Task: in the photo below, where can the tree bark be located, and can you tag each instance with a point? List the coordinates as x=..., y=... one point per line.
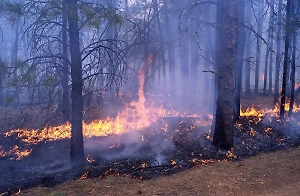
x=240, y=55
x=293, y=72
x=286, y=59
x=217, y=58
x=77, y=151
x=65, y=69
x=248, y=53
x=170, y=46
x=278, y=54
x=271, y=46
x=2, y=73
x=223, y=134
x=259, y=41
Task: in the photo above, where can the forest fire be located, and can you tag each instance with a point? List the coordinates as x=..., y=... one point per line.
x=164, y=58
x=136, y=115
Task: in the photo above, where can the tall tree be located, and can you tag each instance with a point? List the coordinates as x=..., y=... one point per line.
x=271, y=45
x=278, y=52
x=224, y=129
x=293, y=73
x=65, y=68
x=259, y=42
x=77, y=151
x=286, y=58
x=268, y=57
x=240, y=55
x=248, y=51
x=295, y=14
x=170, y=46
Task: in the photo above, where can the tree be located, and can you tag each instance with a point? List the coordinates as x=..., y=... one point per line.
x=65, y=67
x=240, y=55
x=170, y=46
x=77, y=152
x=49, y=25
x=223, y=134
x=248, y=52
x=286, y=58
x=278, y=53
x=259, y=43
x=268, y=58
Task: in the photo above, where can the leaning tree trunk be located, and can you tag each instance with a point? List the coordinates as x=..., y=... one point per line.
x=286, y=59
x=77, y=151
x=223, y=135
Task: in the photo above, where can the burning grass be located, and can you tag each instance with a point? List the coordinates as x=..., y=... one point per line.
x=143, y=141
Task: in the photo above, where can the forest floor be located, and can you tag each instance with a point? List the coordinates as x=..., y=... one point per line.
x=273, y=174
x=260, y=173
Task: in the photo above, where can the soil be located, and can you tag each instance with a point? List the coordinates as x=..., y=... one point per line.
x=272, y=174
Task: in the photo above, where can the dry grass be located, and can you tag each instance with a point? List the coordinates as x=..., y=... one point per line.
x=276, y=173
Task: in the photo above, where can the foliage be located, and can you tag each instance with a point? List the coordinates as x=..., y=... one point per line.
x=13, y=10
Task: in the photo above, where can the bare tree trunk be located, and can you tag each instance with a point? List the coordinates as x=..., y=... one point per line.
x=207, y=83
x=2, y=73
x=286, y=59
x=259, y=42
x=170, y=46
x=293, y=72
x=248, y=54
x=77, y=151
x=223, y=135
x=240, y=55
x=161, y=38
x=184, y=65
x=194, y=67
x=217, y=58
x=65, y=69
x=278, y=54
x=14, y=59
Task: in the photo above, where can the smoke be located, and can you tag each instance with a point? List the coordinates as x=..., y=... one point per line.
x=132, y=145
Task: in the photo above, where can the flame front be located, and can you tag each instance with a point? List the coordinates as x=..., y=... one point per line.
x=135, y=115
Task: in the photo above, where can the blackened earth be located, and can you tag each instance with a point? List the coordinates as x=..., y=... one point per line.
x=167, y=146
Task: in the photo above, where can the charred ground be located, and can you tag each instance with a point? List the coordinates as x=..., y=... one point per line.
x=158, y=150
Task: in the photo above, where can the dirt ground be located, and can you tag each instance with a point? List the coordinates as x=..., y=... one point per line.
x=274, y=174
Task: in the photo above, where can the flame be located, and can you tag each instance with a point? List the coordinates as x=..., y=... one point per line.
x=262, y=76
x=173, y=162
x=90, y=160
x=83, y=176
x=135, y=115
x=252, y=111
x=144, y=165
x=230, y=155
x=2, y=152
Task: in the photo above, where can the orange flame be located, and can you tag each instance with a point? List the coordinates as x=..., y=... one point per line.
x=136, y=115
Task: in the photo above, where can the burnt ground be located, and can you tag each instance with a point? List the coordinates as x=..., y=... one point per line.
x=157, y=151
x=268, y=174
